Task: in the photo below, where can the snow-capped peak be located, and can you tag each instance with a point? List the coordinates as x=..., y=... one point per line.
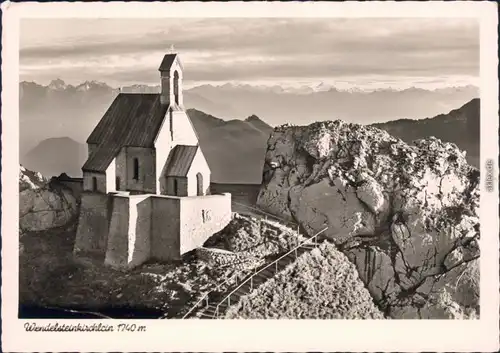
x=88, y=85
x=57, y=85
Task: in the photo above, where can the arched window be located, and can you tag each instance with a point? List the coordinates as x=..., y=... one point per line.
x=176, y=87
x=199, y=184
x=136, y=169
x=171, y=123
x=117, y=182
x=176, y=187
x=94, y=184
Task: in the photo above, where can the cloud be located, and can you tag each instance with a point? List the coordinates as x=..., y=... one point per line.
x=233, y=49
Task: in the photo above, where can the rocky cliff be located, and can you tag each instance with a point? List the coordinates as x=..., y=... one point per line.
x=406, y=216
x=321, y=284
x=43, y=205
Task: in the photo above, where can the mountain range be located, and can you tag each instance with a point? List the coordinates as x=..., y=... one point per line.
x=234, y=150
x=460, y=126
x=56, y=119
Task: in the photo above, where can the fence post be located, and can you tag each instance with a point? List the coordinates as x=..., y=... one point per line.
x=229, y=301
x=276, y=265
x=295, y=253
x=251, y=283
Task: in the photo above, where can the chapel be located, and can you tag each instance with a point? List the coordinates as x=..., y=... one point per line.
x=146, y=143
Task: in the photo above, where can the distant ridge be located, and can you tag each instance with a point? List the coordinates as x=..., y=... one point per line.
x=460, y=126
x=235, y=120
x=54, y=156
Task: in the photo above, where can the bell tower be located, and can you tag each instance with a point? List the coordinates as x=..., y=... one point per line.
x=171, y=79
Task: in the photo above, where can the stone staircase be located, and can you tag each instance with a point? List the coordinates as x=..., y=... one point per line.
x=264, y=273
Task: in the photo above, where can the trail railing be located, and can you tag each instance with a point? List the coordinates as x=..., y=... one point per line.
x=266, y=216
x=205, y=297
x=273, y=263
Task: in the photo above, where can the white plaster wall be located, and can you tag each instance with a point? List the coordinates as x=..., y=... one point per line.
x=139, y=241
x=163, y=144
x=111, y=176
x=184, y=132
x=195, y=229
x=101, y=181
x=167, y=84
x=176, y=67
x=121, y=168
x=199, y=165
x=117, y=245
x=129, y=232
x=147, y=173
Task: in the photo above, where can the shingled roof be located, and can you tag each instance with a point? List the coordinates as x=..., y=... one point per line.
x=180, y=159
x=132, y=120
x=167, y=62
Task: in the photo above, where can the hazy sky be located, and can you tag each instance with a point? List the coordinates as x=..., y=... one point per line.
x=363, y=53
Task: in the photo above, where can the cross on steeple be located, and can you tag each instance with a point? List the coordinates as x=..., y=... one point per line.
x=172, y=50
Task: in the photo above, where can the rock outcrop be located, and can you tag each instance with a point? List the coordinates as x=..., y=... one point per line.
x=321, y=284
x=255, y=237
x=43, y=205
x=406, y=216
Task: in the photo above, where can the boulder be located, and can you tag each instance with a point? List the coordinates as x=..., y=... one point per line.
x=43, y=205
x=406, y=216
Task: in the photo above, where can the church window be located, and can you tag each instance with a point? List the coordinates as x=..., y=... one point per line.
x=136, y=169
x=176, y=87
x=94, y=184
x=176, y=187
x=171, y=123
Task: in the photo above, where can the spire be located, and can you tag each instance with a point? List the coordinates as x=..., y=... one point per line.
x=171, y=78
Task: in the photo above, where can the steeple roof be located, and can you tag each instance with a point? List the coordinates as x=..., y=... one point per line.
x=168, y=61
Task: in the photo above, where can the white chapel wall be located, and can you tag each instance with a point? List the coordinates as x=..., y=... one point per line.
x=121, y=169
x=163, y=145
x=111, y=176
x=199, y=165
x=100, y=181
x=184, y=133
x=146, y=181
x=201, y=217
x=176, y=68
x=167, y=84
x=129, y=237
